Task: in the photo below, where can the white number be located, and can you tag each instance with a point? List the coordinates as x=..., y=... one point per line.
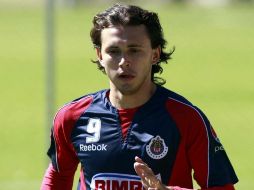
x=94, y=128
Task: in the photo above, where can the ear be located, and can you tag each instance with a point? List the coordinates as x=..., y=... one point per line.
x=99, y=56
x=156, y=55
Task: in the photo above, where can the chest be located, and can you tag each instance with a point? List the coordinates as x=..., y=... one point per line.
x=101, y=148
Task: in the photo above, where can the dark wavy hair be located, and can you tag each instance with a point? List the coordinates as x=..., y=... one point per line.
x=129, y=15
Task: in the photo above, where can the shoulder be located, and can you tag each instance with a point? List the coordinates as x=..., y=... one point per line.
x=179, y=103
x=185, y=113
x=176, y=102
x=73, y=109
x=67, y=115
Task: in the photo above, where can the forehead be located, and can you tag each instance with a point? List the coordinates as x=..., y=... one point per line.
x=118, y=35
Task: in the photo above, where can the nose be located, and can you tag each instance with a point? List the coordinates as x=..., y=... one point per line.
x=124, y=62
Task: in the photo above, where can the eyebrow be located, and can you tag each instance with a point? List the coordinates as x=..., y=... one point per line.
x=129, y=46
x=112, y=47
x=135, y=45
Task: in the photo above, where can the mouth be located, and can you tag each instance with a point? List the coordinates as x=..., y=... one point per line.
x=126, y=76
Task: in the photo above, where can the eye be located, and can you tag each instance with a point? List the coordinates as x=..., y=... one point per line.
x=114, y=51
x=134, y=50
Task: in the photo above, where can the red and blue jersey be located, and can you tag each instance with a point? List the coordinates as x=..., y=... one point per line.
x=168, y=133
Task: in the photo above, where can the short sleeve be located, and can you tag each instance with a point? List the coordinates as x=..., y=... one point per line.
x=207, y=155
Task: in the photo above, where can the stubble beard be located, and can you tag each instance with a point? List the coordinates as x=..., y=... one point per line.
x=132, y=88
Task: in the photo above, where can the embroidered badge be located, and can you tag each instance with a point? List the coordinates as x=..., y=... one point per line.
x=157, y=148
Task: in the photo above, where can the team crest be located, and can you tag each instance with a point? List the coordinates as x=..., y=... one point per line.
x=157, y=148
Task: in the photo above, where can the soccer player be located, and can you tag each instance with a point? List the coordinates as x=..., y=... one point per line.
x=136, y=134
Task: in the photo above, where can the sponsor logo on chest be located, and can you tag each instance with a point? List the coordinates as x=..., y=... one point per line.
x=92, y=147
x=116, y=181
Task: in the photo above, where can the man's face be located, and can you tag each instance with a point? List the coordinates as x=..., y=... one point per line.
x=127, y=56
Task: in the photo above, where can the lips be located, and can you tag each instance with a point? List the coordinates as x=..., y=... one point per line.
x=126, y=76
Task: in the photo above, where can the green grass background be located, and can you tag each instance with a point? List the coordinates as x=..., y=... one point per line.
x=213, y=66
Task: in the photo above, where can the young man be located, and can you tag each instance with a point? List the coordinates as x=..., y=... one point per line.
x=135, y=135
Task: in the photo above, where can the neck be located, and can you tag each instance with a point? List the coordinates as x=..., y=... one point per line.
x=132, y=100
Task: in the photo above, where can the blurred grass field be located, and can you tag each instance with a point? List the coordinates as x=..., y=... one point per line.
x=213, y=66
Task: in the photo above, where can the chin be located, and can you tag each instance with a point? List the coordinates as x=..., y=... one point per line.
x=128, y=89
